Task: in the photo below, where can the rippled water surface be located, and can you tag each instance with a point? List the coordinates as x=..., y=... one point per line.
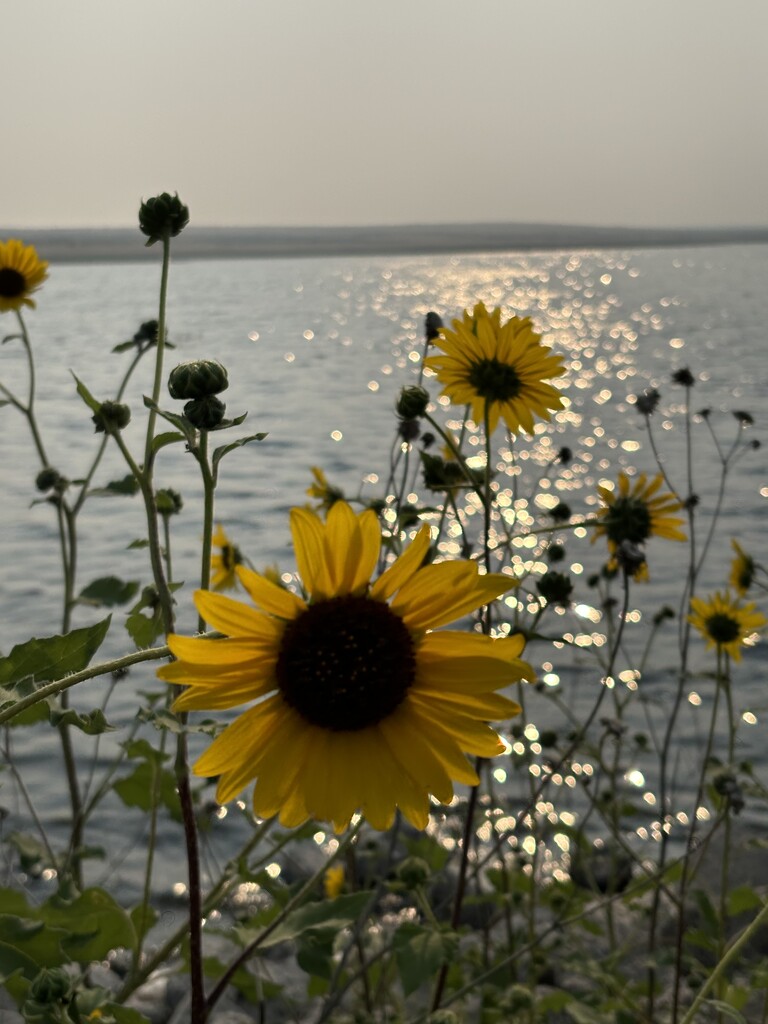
x=317, y=350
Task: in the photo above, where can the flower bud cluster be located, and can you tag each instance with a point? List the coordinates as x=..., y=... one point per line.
x=163, y=216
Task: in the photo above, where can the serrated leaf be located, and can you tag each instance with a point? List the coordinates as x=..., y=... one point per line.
x=93, y=723
x=225, y=449
x=53, y=657
x=109, y=591
x=86, y=395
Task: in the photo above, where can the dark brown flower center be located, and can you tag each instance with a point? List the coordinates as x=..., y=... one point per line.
x=12, y=283
x=722, y=628
x=346, y=663
x=495, y=381
x=628, y=519
x=230, y=556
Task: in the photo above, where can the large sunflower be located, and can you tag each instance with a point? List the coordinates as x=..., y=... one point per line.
x=359, y=706
x=637, y=512
x=497, y=368
x=724, y=622
x=21, y=273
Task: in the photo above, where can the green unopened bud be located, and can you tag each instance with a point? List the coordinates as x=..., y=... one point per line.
x=205, y=413
x=51, y=986
x=197, y=378
x=442, y=1017
x=555, y=587
x=169, y=502
x=413, y=871
x=412, y=403
x=163, y=216
x=111, y=417
x=50, y=479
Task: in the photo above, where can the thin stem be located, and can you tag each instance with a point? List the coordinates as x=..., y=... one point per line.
x=59, y=685
x=160, y=352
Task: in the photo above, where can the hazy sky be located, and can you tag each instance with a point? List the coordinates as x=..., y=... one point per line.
x=650, y=112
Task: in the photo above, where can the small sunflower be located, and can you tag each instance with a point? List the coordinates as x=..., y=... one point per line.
x=725, y=623
x=333, y=881
x=637, y=513
x=498, y=368
x=742, y=570
x=21, y=273
x=359, y=705
x=224, y=564
x=320, y=489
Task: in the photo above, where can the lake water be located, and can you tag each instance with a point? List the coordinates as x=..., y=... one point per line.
x=317, y=350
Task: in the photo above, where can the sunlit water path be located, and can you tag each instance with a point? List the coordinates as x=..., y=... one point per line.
x=317, y=350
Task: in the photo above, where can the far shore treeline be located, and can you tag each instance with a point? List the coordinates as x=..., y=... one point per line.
x=83, y=245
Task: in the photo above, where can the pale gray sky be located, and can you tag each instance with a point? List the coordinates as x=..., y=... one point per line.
x=405, y=111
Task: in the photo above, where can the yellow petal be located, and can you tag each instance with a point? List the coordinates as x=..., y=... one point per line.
x=268, y=596
x=409, y=562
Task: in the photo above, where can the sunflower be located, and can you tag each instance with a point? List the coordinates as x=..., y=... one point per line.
x=320, y=489
x=742, y=570
x=499, y=369
x=21, y=273
x=725, y=623
x=637, y=513
x=224, y=564
x=359, y=705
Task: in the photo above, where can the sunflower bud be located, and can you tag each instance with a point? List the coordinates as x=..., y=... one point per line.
x=413, y=871
x=412, y=403
x=50, y=479
x=555, y=587
x=169, y=502
x=111, y=417
x=163, y=216
x=205, y=413
x=51, y=986
x=197, y=378
x=432, y=324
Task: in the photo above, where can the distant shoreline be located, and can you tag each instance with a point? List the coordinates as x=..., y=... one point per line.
x=79, y=245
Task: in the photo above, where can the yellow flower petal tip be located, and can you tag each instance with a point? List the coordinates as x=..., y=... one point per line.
x=350, y=715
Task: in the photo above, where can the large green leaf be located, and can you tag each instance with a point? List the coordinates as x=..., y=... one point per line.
x=52, y=657
x=95, y=924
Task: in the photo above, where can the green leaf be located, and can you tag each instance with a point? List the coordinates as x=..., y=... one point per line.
x=86, y=395
x=742, y=898
x=140, y=542
x=138, y=789
x=420, y=952
x=726, y=1011
x=225, y=449
x=95, y=923
x=170, y=437
x=124, y=346
x=128, y=485
x=180, y=422
x=143, y=917
x=314, y=953
x=322, y=914
x=93, y=723
x=53, y=657
x=109, y=591
x=125, y=1014
x=34, y=940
